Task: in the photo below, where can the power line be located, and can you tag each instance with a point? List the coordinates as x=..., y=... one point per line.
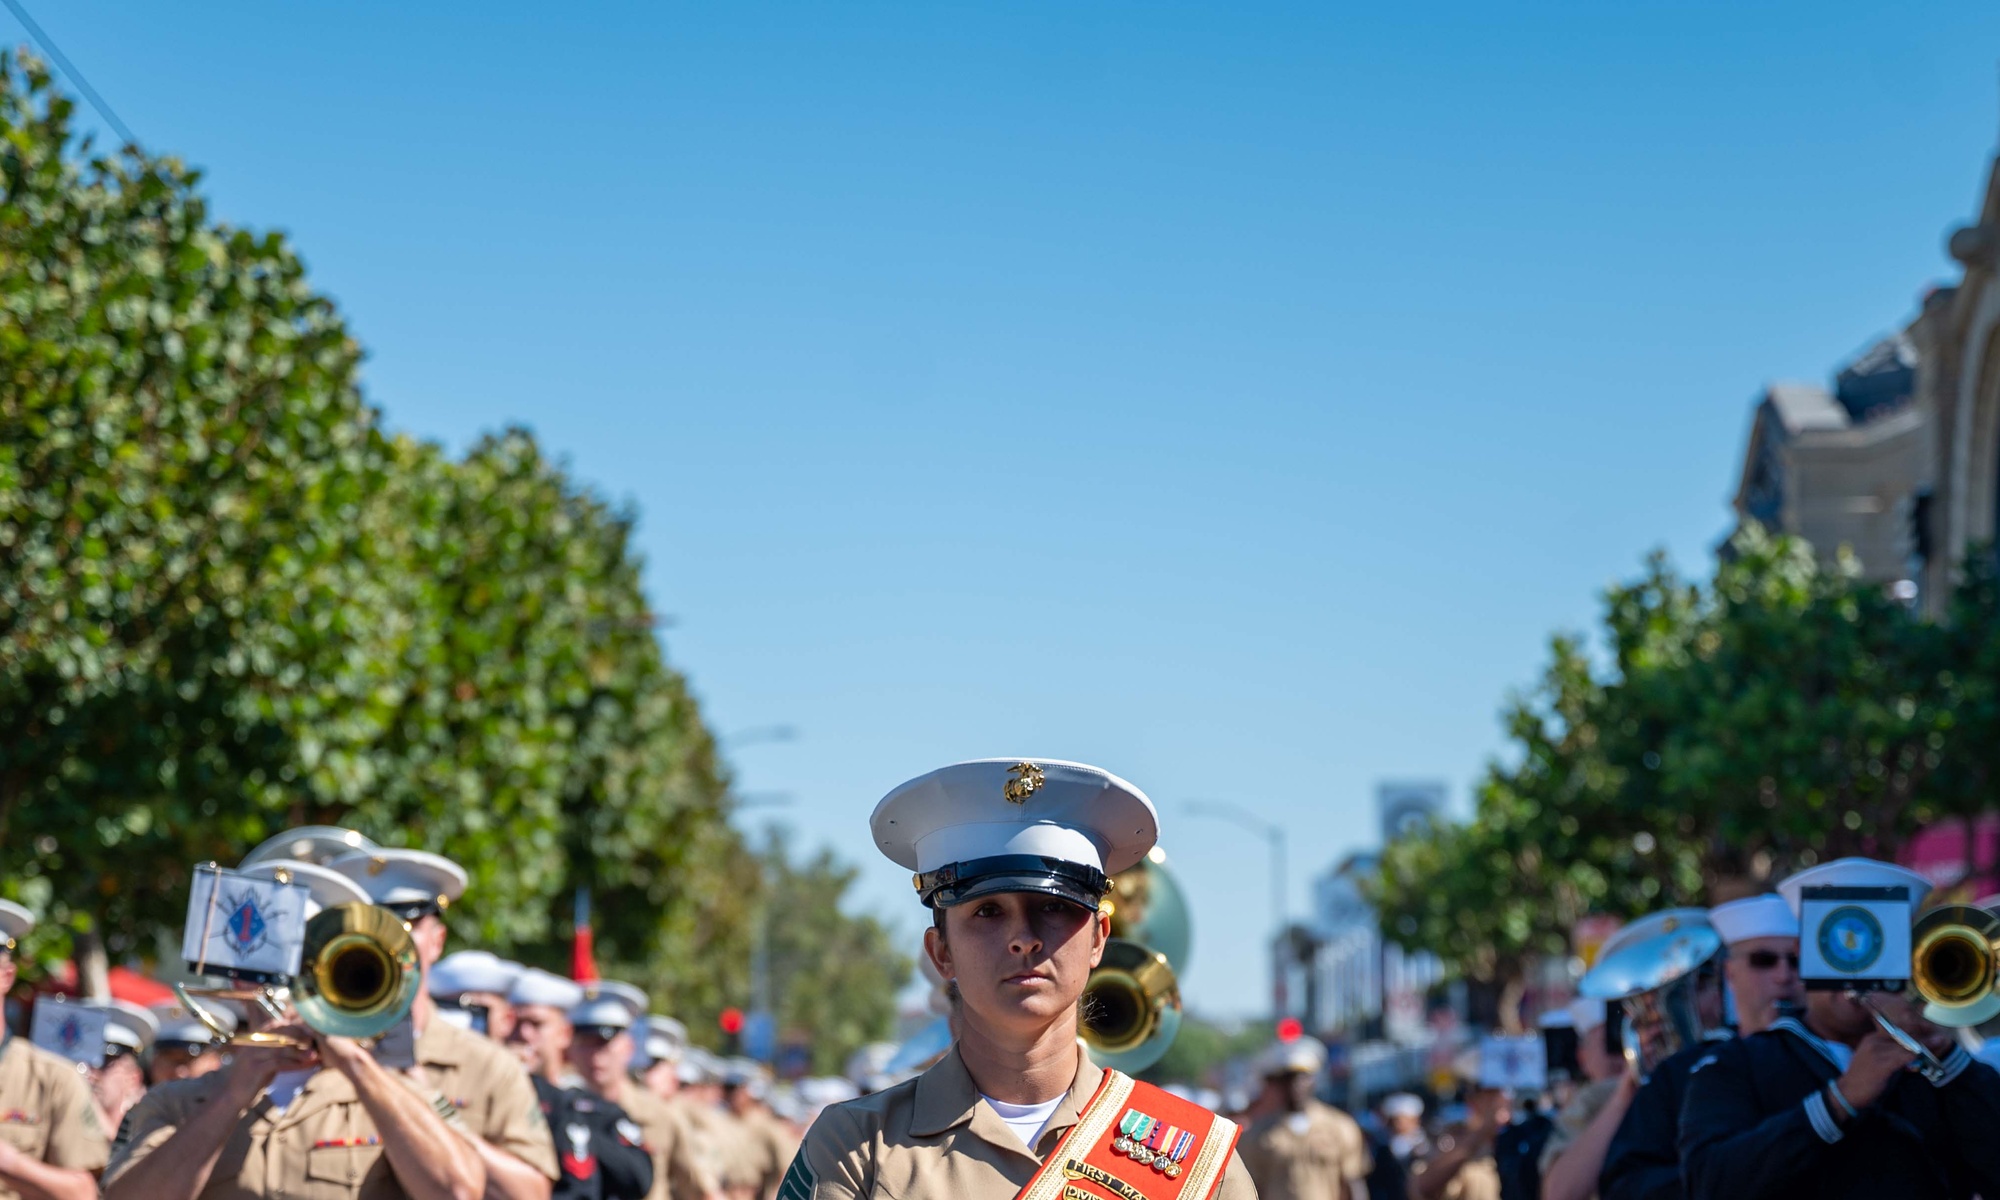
x=69, y=70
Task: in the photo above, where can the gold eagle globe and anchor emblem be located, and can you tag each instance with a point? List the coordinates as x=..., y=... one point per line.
x=1026, y=781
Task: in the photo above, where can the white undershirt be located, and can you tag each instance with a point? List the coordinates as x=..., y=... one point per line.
x=1026, y=1120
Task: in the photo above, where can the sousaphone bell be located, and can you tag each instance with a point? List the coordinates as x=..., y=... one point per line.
x=1132, y=1001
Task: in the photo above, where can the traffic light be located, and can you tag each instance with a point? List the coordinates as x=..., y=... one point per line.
x=731, y=1022
x=1289, y=1029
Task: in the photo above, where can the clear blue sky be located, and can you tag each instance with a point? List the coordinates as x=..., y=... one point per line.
x=1232, y=395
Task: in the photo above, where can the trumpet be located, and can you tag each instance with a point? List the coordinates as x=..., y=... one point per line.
x=357, y=978
x=1955, y=964
x=1132, y=1000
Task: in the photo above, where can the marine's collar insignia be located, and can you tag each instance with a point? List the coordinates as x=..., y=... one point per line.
x=1026, y=781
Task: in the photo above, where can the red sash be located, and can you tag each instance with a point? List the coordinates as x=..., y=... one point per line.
x=1134, y=1141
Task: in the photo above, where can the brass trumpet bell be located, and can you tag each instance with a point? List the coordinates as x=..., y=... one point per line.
x=1955, y=964
x=360, y=971
x=1131, y=1007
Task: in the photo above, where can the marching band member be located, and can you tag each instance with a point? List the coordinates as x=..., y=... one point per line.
x=485, y=1083
x=656, y=1064
x=601, y=1055
x=1573, y=1158
x=764, y=1145
x=600, y=1150
x=471, y=987
x=1644, y=1160
x=1761, y=934
x=1013, y=859
x=1459, y=1165
x=1826, y=1106
x=185, y=1047
x=1306, y=1150
x=317, y=1120
x=120, y=1082
x=51, y=1141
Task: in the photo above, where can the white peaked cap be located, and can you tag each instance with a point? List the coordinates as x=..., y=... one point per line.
x=1853, y=872
x=665, y=1040
x=538, y=987
x=609, y=1004
x=128, y=1025
x=1402, y=1104
x=316, y=844
x=394, y=876
x=1754, y=917
x=1008, y=807
x=473, y=971
x=177, y=1024
x=15, y=922
x=324, y=888
x=1586, y=1014
x=1304, y=1055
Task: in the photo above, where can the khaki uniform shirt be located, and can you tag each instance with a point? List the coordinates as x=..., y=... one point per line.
x=1316, y=1164
x=317, y=1149
x=1576, y=1117
x=491, y=1091
x=683, y=1168
x=933, y=1138
x=764, y=1147
x=46, y=1110
x=1478, y=1179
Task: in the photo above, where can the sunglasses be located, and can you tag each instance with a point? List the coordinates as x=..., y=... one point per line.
x=1765, y=960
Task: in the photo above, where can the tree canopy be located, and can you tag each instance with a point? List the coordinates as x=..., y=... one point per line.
x=230, y=603
x=1785, y=713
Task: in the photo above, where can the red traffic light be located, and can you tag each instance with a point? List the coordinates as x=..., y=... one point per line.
x=731, y=1020
x=1289, y=1029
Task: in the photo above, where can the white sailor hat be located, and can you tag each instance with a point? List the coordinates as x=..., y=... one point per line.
x=1586, y=1014
x=1853, y=872
x=700, y=1066
x=325, y=888
x=664, y=1040
x=127, y=1027
x=1754, y=917
x=15, y=922
x=539, y=988
x=465, y=971
x=1402, y=1104
x=996, y=825
x=409, y=882
x=182, y=1028
x=608, y=1008
x=316, y=844
x=1300, y=1056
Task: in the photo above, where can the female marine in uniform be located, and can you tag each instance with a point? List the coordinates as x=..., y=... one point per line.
x=1013, y=858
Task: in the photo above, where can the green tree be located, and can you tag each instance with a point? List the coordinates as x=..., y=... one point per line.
x=834, y=976
x=1786, y=713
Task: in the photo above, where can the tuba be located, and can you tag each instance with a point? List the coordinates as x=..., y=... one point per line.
x=357, y=978
x=1653, y=969
x=1132, y=1001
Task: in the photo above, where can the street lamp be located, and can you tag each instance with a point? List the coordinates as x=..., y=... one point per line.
x=1222, y=810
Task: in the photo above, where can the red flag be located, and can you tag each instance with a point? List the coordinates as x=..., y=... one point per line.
x=583, y=954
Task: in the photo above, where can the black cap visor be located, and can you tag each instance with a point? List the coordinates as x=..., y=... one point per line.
x=958, y=883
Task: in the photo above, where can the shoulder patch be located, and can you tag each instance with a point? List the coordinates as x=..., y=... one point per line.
x=799, y=1179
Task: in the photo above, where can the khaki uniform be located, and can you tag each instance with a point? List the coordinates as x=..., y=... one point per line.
x=682, y=1166
x=933, y=1138
x=46, y=1111
x=319, y=1148
x=1478, y=1179
x=763, y=1148
x=1315, y=1163
x=1576, y=1117
x=491, y=1091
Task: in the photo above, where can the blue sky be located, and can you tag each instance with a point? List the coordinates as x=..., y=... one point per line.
x=1232, y=395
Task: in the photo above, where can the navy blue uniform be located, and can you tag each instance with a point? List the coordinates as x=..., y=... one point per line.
x=1756, y=1127
x=599, y=1148
x=1643, y=1161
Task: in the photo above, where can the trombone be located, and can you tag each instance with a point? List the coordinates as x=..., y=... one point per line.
x=1955, y=971
x=357, y=978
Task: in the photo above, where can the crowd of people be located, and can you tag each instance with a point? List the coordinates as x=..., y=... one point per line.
x=521, y=1084
x=1698, y=1063
x=1720, y=1076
